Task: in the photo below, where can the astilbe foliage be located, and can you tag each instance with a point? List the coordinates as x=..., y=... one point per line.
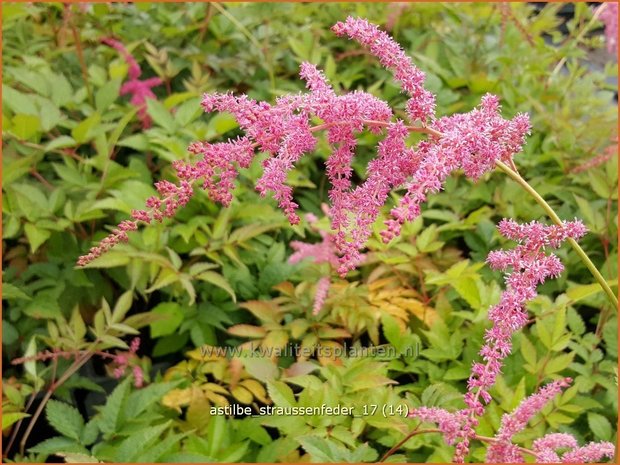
x=530, y=266
x=471, y=141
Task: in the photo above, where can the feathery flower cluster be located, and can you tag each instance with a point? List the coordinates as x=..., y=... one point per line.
x=503, y=450
x=421, y=105
x=546, y=449
x=472, y=141
x=172, y=198
x=139, y=90
x=597, y=160
x=609, y=16
x=530, y=266
x=121, y=362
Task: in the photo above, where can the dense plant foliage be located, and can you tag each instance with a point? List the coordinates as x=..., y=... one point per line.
x=398, y=333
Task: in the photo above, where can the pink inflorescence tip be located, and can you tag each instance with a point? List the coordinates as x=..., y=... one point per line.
x=421, y=105
x=526, y=266
x=472, y=142
x=609, y=16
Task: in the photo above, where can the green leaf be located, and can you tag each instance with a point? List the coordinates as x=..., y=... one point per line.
x=140, y=400
x=577, y=293
x=107, y=94
x=109, y=260
x=60, y=142
x=610, y=336
x=155, y=452
x=77, y=323
x=137, y=142
x=188, y=112
x=75, y=457
x=543, y=334
x=391, y=330
x=139, y=442
x=161, y=116
x=12, y=417
x=263, y=369
x=217, y=280
x=25, y=126
x=11, y=292
x=123, y=304
x=321, y=450
x=84, y=131
x=58, y=444
x=48, y=113
x=217, y=432
x=18, y=102
x=9, y=333
x=600, y=426
x=281, y=394
x=31, y=351
x=172, y=316
x=243, y=330
x=467, y=287
x=111, y=412
x=32, y=201
x=528, y=351
x=113, y=341
x=559, y=363
x=64, y=418
x=575, y=322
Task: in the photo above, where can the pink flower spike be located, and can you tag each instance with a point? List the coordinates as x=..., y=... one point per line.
x=421, y=105
x=449, y=423
x=322, y=288
x=140, y=91
x=592, y=452
x=609, y=16
x=138, y=376
x=555, y=441
x=516, y=421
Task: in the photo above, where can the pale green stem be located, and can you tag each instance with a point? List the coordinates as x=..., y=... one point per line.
x=556, y=219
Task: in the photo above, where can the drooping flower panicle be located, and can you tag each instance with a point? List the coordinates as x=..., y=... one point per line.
x=422, y=102
x=320, y=252
x=526, y=266
x=472, y=141
x=123, y=360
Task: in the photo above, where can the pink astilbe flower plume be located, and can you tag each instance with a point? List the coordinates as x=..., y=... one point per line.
x=140, y=90
x=608, y=14
x=421, y=105
x=123, y=361
x=526, y=266
x=504, y=451
x=546, y=449
x=472, y=141
x=591, y=452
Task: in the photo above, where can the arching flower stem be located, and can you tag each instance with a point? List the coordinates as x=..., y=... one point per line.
x=556, y=219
